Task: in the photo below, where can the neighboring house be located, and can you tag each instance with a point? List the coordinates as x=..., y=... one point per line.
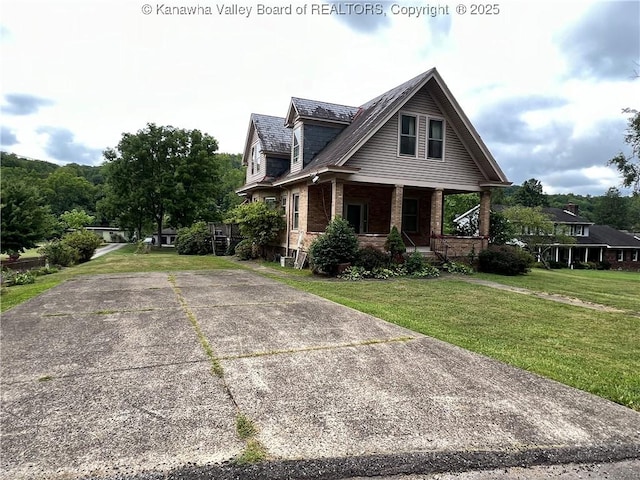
x=110, y=234
x=593, y=243
x=386, y=163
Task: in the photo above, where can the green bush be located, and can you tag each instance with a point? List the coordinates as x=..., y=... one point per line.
x=246, y=250
x=414, y=262
x=457, y=267
x=194, y=240
x=60, y=253
x=338, y=244
x=394, y=244
x=428, y=271
x=12, y=277
x=505, y=260
x=371, y=258
x=84, y=242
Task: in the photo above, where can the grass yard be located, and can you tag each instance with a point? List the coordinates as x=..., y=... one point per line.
x=589, y=350
x=607, y=287
x=119, y=261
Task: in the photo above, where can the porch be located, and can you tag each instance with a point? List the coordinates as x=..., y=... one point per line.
x=373, y=209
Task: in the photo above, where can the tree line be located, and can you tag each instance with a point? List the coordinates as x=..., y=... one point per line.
x=156, y=176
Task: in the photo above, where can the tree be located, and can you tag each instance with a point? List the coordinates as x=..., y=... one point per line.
x=629, y=166
x=162, y=172
x=76, y=219
x=65, y=191
x=530, y=194
x=536, y=230
x=25, y=220
x=258, y=222
x=612, y=209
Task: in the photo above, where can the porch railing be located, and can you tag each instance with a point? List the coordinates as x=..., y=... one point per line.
x=440, y=247
x=404, y=234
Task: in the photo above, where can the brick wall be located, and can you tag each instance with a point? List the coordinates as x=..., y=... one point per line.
x=459, y=246
x=319, y=211
x=378, y=200
x=611, y=256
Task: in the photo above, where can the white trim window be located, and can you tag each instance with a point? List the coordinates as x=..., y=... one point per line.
x=408, y=135
x=255, y=158
x=296, y=145
x=577, y=230
x=636, y=255
x=435, y=139
x=621, y=255
x=295, y=215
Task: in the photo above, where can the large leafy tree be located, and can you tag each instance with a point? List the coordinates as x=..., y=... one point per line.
x=530, y=194
x=161, y=172
x=629, y=165
x=612, y=209
x=536, y=230
x=25, y=220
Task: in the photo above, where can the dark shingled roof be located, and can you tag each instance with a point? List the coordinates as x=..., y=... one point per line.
x=605, y=235
x=323, y=110
x=565, y=216
x=367, y=118
x=273, y=135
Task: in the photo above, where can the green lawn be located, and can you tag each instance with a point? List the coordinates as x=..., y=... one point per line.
x=607, y=287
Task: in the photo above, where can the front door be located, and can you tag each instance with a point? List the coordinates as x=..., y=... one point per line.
x=354, y=216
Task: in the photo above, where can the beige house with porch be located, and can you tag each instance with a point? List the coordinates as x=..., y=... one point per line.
x=389, y=162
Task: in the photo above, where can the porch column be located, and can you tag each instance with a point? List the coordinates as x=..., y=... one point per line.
x=586, y=254
x=396, y=207
x=570, y=255
x=337, y=198
x=600, y=254
x=437, y=198
x=557, y=254
x=484, y=218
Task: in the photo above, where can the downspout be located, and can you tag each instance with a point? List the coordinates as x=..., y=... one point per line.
x=286, y=213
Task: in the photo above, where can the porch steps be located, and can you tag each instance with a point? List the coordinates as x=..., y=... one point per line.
x=424, y=250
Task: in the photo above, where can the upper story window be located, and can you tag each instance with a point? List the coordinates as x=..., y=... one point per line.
x=255, y=158
x=408, y=133
x=435, y=141
x=297, y=144
x=578, y=230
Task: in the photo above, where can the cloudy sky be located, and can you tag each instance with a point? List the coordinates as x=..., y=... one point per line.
x=544, y=82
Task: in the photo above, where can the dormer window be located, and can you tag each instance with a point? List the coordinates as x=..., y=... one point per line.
x=255, y=158
x=297, y=143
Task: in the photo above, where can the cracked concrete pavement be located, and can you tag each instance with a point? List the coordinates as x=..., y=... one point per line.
x=106, y=377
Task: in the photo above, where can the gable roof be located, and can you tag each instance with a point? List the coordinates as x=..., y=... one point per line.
x=274, y=137
x=371, y=116
x=561, y=215
x=316, y=110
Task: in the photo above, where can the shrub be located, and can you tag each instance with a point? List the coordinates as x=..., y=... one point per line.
x=338, y=244
x=457, y=267
x=11, y=277
x=394, y=244
x=246, y=250
x=414, y=262
x=84, y=242
x=258, y=222
x=194, y=240
x=505, y=260
x=428, y=271
x=371, y=258
x=60, y=253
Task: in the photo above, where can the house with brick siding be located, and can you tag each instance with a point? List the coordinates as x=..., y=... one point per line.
x=592, y=243
x=389, y=162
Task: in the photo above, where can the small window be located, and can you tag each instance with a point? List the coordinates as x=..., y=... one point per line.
x=636, y=255
x=255, y=158
x=577, y=230
x=408, y=135
x=296, y=211
x=297, y=142
x=283, y=201
x=621, y=255
x=410, y=215
x=270, y=201
x=435, y=145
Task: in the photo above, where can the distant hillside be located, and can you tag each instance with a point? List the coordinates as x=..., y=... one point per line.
x=39, y=167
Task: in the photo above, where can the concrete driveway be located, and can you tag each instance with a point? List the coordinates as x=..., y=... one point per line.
x=106, y=377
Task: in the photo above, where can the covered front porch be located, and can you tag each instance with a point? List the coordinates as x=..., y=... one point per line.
x=373, y=209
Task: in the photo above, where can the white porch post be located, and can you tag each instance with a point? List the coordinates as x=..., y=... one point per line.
x=586, y=254
x=570, y=255
x=557, y=254
x=601, y=252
